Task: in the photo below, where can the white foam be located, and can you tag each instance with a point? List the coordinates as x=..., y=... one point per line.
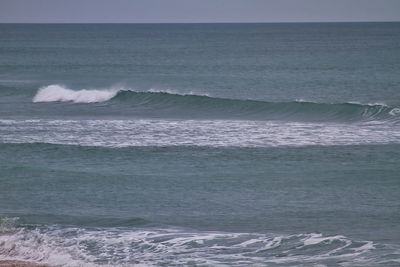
x=395, y=111
x=314, y=239
x=207, y=133
x=174, y=92
x=175, y=247
x=59, y=93
x=368, y=104
x=367, y=246
x=168, y=91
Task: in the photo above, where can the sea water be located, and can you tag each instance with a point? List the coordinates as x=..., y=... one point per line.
x=200, y=144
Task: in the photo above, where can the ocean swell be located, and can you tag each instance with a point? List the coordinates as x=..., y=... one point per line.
x=169, y=104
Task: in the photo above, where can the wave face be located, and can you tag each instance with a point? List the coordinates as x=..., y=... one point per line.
x=72, y=246
x=172, y=105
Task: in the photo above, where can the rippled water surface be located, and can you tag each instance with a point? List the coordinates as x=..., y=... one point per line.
x=200, y=144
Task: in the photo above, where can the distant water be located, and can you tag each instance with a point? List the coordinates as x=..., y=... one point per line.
x=200, y=144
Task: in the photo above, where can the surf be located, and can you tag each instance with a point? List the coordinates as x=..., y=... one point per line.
x=198, y=133
x=59, y=93
x=78, y=246
x=170, y=104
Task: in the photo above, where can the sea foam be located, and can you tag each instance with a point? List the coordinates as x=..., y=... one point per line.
x=54, y=93
x=72, y=246
x=201, y=133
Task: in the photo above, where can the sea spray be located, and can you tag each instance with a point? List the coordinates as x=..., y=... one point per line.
x=60, y=93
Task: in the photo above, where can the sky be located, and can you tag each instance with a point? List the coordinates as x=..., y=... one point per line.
x=188, y=11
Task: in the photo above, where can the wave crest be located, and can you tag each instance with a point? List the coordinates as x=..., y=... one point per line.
x=170, y=104
x=59, y=93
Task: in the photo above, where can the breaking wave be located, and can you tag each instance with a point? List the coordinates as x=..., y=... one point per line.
x=58, y=93
x=75, y=246
x=173, y=105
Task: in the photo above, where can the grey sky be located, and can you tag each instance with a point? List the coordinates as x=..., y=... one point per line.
x=158, y=11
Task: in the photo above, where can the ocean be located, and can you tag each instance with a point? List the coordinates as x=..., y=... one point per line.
x=200, y=144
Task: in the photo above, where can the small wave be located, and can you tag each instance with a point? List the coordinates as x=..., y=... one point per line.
x=171, y=104
x=76, y=246
x=172, y=92
x=59, y=93
x=164, y=103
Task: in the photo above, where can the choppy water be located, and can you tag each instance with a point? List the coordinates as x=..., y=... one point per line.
x=200, y=144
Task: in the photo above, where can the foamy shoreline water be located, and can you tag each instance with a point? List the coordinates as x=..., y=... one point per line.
x=176, y=247
x=17, y=263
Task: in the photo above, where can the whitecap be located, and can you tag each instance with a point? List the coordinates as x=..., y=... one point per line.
x=59, y=93
x=72, y=246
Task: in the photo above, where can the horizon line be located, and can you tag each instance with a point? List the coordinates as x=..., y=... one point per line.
x=219, y=22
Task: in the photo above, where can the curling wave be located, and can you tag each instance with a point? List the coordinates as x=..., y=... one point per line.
x=58, y=93
x=172, y=105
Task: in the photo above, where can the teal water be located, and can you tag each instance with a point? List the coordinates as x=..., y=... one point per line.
x=200, y=144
